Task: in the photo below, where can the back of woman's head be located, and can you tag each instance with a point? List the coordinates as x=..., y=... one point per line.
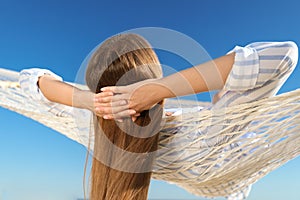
x=119, y=55
x=123, y=152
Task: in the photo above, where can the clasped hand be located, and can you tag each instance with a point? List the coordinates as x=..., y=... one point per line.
x=117, y=102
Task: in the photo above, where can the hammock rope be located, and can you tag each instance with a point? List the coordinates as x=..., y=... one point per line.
x=247, y=141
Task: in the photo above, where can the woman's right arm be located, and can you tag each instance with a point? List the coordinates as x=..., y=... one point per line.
x=143, y=95
x=209, y=76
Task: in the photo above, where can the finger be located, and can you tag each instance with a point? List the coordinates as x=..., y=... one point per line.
x=114, y=89
x=98, y=97
x=109, y=99
x=111, y=104
x=103, y=94
x=122, y=114
x=137, y=115
x=111, y=110
x=104, y=99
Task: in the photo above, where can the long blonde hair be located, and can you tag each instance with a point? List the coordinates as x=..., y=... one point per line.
x=122, y=60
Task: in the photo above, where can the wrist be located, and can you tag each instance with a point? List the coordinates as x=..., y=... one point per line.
x=163, y=89
x=83, y=99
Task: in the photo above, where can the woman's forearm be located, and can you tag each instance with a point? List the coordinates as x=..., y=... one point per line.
x=143, y=95
x=209, y=76
x=60, y=92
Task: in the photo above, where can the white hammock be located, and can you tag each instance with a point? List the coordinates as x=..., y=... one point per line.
x=265, y=135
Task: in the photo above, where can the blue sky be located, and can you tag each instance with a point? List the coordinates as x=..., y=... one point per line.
x=38, y=163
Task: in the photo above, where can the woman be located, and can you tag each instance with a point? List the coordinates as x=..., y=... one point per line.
x=246, y=74
x=115, y=174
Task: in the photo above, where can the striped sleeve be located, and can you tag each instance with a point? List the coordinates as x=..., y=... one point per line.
x=255, y=62
x=28, y=82
x=245, y=69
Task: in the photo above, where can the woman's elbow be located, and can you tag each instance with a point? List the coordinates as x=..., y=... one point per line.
x=292, y=54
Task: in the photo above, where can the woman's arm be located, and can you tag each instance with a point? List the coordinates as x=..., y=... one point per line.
x=60, y=92
x=209, y=76
x=140, y=96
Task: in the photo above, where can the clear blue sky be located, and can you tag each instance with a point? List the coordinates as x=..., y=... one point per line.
x=38, y=163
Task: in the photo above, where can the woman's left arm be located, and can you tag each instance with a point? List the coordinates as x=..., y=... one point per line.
x=60, y=92
x=49, y=89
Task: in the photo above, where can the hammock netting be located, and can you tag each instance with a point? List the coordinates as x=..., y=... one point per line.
x=243, y=143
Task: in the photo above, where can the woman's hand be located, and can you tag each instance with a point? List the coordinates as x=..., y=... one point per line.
x=124, y=101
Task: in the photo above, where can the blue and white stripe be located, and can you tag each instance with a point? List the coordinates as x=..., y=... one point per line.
x=259, y=70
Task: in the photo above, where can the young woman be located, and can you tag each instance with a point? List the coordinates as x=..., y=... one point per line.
x=243, y=75
x=115, y=174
